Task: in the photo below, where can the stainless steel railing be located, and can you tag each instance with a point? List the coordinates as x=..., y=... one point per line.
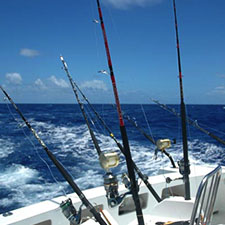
x=205, y=198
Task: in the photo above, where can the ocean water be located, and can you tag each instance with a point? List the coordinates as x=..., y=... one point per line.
x=27, y=175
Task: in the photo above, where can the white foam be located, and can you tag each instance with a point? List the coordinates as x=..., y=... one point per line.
x=65, y=137
x=17, y=175
x=32, y=193
x=90, y=179
x=87, y=172
x=204, y=151
x=17, y=180
x=6, y=148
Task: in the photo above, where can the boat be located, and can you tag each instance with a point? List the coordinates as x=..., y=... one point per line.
x=49, y=212
x=198, y=201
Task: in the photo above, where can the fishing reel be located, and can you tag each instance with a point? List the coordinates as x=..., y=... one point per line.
x=70, y=212
x=182, y=168
x=161, y=145
x=107, y=161
x=126, y=181
x=111, y=187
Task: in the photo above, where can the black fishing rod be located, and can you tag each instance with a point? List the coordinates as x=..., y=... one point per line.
x=129, y=119
x=140, y=174
x=184, y=165
x=194, y=123
x=130, y=168
x=59, y=166
x=94, y=139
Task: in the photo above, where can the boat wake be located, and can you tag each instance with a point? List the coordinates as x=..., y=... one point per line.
x=29, y=180
x=21, y=186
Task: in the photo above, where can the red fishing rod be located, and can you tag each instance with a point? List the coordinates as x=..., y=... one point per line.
x=141, y=175
x=184, y=164
x=130, y=168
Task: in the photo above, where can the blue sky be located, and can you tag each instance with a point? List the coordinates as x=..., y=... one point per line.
x=141, y=36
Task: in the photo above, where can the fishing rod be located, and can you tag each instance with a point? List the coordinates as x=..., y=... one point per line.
x=190, y=121
x=134, y=187
x=59, y=166
x=184, y=164
x=140, y=174
x=128, y=118
x=93, y=137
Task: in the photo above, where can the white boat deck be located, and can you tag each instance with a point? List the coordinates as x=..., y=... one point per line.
x=49, y=212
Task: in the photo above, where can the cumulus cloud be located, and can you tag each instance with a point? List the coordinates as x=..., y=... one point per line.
x=124, y=4
x=29, y=52
x=59, y=82
x=95, y=85
x=220, y=90
x=14, y=78
x=39, y=83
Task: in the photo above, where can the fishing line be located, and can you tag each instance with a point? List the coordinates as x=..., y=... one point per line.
x=188, y=125
x=59, y=166
x=89, y=115
x=36, y=151
x=96, y=125
x=169, y=190
x=103, y=117
x=81, y=106
x=157, y=144
x=123, y=150
x=95, y=23
x=221, y=132
x=149, y=129
x=189, y=121
x=100, y=128
x=179, y=128
x=119, y=39
x=98, y=119
x=94, y=119
x=18, y=124
x=113, y=22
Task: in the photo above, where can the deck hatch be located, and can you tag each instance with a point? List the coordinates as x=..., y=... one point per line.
x=46, y=222
x=128, y=206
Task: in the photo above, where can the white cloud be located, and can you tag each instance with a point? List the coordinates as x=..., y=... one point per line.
x=95, y=85
x=29, y=52
x=59, y=82
x=39, y=83
x=14, y=78
x=218, y=90
x=124, y=4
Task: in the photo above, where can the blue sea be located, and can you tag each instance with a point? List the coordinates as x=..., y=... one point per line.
x=27, y=175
